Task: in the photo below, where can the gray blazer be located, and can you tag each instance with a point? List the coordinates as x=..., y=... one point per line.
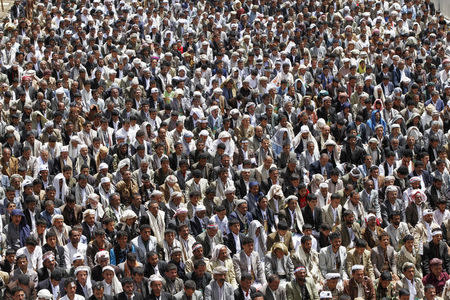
x=270, y=263
x=212, y=291
x=377, y=257
x=141, y=251
x=327, y=261
x=278, y=294
x=240, y=266
x=197, y=295
x=327, y=215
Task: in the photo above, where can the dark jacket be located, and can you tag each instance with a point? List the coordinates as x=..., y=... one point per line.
x=230, y=243
x=316, y=220
x=239, y=293
x=257, y=215
x=430, y=251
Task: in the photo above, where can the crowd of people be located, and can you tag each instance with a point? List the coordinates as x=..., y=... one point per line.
x=220, y=150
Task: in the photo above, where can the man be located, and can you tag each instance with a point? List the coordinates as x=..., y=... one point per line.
x=311, y=213
x=70, y=288
x=383, y=257
x=172, y=283
x=332, y=213
x=332, y=258
x=144, y=243
x=98, y=290
x=436, y=277
x=306, y=256
x=411, y=283
x=281, y=235
x=359, y=285
x=218, y=289
x=128, y=291
x=16, y=231
x=89, y=224
x=249, y=261
x=210, y=238
x=301, y=287
x=372, y=231
x=245, y=289
x=397, y=230
x=349, y=229
x=73, y=247
x=200, y=276
x=424, y=229
x=234, y=239
x=436, y=248
x=189, y=292
x=360, y=256
x=272, y=289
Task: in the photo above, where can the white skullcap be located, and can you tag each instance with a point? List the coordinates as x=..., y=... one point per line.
x=391, y=188
x=323, y=185
x=357, y=267
x=436, y=232
x=64, y=149
x=332, y=276
x=229, y=190
x=88, y=212
x=238, y=202
x=200, y=207
x=154, y=90
x=77, y=256
x=220, y=270
x=156, y=193
x=82, y=146
x=155, y=277
x=128, y=214
x=57, y=217
x=304, y=129
x=325, y=295
x=105, y=179
x=103, y=166
x=427, y=212
x=44, y=294
x=172, y=179
x=204, y=132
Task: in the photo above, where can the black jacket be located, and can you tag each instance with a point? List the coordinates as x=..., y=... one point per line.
x=229, y=242
x=239, y=293
x=430, y=251
x=257, y=215
x=316, y=220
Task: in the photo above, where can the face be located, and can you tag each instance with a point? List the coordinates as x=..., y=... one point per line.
x=358, y=275
x=98, y=293
x=108, y=276
x=336, y=243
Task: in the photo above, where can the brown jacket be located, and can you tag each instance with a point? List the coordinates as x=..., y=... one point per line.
x=367, y=235
x=351, y=288
x=274, y=237
x=11, y=168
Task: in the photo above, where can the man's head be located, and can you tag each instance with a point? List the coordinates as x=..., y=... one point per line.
x=358, y=273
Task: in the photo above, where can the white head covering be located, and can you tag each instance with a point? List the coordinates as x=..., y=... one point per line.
x=116, y=286
x=61, y=191
x=88, y=280
x=216, y=251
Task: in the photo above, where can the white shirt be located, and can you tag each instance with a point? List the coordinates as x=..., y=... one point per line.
x=221, y=292
x=34, y=259
x=412, y=289
x=237, y=241
x=335, y=213
x=55, y=291
x=33, y=220
x=70, y=251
